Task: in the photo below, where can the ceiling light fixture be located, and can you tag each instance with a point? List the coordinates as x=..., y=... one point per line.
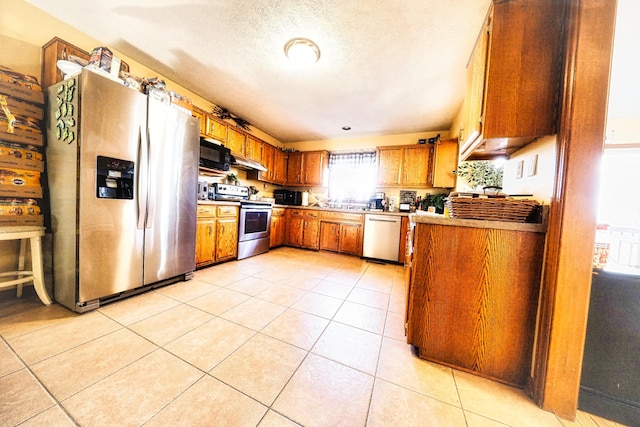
x=302, y=51
x=346, y=127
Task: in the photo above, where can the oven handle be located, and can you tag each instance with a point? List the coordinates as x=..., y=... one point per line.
x=255, y=208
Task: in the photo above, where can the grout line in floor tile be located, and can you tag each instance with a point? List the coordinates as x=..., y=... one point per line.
x=395, y=282
x=41, y=384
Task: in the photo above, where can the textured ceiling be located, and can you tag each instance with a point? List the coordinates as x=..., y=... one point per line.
x=387, y=66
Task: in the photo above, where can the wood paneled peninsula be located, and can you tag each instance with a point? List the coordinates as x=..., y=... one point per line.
x=473, y=294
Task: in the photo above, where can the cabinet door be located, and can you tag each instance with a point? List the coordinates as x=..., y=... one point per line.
x=416, y=165
x=215, y=129
x=57, y=49
x=236, y=141
x=351, y=239
x=205, y=243
x=523, y=79
x=389, y=165
x=402, y=250
x=268, y=161
x=330, y=236
x=311, y=234
x=200, y=115
x=253, y=148
x=277, y=237
x=294, y=168
x=279, y=166
x=476, y=71
x=294, y=230
x=227, y=238
x=445, y=163
x=314, y=167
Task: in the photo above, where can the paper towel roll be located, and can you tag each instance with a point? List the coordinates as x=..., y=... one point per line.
x=305, y=198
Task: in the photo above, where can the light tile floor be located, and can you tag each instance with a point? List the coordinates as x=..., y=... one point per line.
x=291, y=337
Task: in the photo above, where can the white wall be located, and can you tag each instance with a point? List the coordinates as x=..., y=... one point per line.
x=540, y=184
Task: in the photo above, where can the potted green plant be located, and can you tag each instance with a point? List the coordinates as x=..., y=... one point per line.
x=481, y=173
x=435, y=200
x=232, y=178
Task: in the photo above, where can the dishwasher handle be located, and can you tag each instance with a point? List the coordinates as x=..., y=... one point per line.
x=382, y=220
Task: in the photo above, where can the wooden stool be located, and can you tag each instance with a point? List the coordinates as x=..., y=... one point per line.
x=34, y=234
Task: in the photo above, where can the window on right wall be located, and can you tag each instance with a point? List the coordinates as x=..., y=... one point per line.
x=618, y=233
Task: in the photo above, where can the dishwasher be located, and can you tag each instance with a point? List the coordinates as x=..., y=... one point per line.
x=381, y=237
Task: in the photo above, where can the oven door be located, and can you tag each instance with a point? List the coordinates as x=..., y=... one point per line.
x=255, y=222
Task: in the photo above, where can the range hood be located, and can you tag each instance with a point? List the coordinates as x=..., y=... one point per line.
x=246, y=164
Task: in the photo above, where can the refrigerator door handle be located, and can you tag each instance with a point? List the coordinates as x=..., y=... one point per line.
x=150, y=200
x=142, y=175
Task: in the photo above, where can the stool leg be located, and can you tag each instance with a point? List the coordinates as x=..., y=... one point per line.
x=23, y=250
x=38, y=270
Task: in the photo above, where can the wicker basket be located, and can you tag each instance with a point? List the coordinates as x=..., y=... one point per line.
x=493, y=209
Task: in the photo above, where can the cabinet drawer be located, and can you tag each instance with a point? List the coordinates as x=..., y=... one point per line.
x=206, y=210
x=227, y=211
x=304, y=213
x=277, y=212
x=341, y=217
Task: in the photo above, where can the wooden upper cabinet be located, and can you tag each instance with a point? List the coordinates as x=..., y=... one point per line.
x=389, y=164
x=515, y=77
x=202, y=120
x=416, y=165
x=216, y=129
x=267, y=160
x=236, y=140
x=405, y=166
x=253, y=148
x=275, y=160
x=314, y=167
x=294, y=168
x=279, y=166
x=307, y=167
x=471, y=123
x=57, y=49
x=445, y=163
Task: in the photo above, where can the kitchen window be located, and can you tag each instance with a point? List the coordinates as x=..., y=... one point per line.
x=352, y=175
x=619, y=209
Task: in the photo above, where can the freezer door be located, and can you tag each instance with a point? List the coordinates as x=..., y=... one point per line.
x=110, y=250
x=170, y=223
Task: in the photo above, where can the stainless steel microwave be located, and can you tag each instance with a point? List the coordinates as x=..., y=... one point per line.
x=214, y=156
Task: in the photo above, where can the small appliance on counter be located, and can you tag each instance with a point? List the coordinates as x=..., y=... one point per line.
x=407, y=200
x=376, y=203
x=221, y=192
x=203, y=190
x=392, y=204
x=288, y=197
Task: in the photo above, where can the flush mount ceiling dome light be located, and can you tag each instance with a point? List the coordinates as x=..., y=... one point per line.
x=302, y=51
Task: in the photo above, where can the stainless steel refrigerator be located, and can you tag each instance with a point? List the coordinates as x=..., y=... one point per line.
x=122, y=172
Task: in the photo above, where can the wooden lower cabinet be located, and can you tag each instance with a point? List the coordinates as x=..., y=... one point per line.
x=330, y=236
x=205, y=242
x=350, y=239
x=278, y=228
x=216, y=234
x=473, y=296
x=341, y=232
x=303, y=228
x=404, y=230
